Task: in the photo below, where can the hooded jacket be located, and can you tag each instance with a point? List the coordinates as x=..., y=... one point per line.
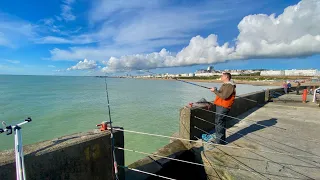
x=226, y=95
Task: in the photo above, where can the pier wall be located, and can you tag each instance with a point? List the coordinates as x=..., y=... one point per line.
x=190, y=124
x=80, y=156
x=182, y=150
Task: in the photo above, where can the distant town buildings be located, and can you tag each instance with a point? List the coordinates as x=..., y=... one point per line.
x=210, y=72
x=292, y=72
x=272, y=73
x=210, y=69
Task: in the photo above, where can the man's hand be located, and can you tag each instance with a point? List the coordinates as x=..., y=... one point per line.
x=213, y=89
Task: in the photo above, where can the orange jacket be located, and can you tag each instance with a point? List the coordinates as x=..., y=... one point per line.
x=226, y=95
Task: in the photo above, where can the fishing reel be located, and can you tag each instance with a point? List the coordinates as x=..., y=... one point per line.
x=6, y=128
x=103, y=126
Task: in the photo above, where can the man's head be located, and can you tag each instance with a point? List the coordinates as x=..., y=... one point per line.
x=225, y=77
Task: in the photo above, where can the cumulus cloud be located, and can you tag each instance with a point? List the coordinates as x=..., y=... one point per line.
x=138, y=61
x=294, y=33
x=84, y=65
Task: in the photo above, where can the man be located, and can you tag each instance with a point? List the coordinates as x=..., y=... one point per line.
x=289, y=86
x=285, y=87
x=298, y=87
x=225, y=97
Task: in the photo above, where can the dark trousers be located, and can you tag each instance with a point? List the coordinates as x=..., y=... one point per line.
x=220, y=124
x=297, y=89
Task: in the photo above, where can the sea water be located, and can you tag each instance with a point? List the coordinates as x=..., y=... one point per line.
x=65, y=105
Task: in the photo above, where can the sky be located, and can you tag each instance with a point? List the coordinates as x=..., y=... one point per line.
x=84, y=37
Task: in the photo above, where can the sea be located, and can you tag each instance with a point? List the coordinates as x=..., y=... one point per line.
x=60, y=106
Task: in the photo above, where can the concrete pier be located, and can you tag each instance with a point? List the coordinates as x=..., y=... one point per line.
x=287, y=146
x=301, y=137
x=80, y=156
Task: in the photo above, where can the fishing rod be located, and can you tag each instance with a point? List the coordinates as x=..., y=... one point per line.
x=115, y=165
x=18, y=147
x=192, y=83
x=211, y=88
x=202, y=86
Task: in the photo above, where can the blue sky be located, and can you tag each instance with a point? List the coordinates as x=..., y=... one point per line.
x=55, y=37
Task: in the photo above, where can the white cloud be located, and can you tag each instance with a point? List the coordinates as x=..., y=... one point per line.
x=102, y=9
x=99, y=53
x=4, y=41
x=59, y=70
x=66, y=10
x=203, y=51
x=69, y=1
x=48, y=21
x=84, y=65
x=294, y=33
x=15, y=32
x=13, y=61
x=138, y=61
x=104, y=33
x=51, y=66
x=60, y=40
x=150, y=29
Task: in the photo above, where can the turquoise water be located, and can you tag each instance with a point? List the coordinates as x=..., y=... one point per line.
x=65, y=105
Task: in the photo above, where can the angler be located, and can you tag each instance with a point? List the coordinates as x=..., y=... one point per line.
x=225, y=97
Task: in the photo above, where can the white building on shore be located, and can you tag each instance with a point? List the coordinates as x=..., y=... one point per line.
x=292, y=72
x=272, y=73
x=207, y=74
x=305, y=72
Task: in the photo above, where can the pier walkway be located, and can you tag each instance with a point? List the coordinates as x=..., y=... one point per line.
x=270, y=152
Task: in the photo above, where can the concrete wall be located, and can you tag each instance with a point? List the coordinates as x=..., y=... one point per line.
x=189, y=123
x=80, y=156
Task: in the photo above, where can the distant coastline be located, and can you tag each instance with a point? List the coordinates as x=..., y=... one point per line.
x=252, y=80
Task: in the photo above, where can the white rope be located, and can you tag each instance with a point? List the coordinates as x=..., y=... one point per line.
x=227, y=146
x=144, y=172
x=155, y=155
x=178, y=160
x=255, y=153
x=225, y=142
x=253, y=172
